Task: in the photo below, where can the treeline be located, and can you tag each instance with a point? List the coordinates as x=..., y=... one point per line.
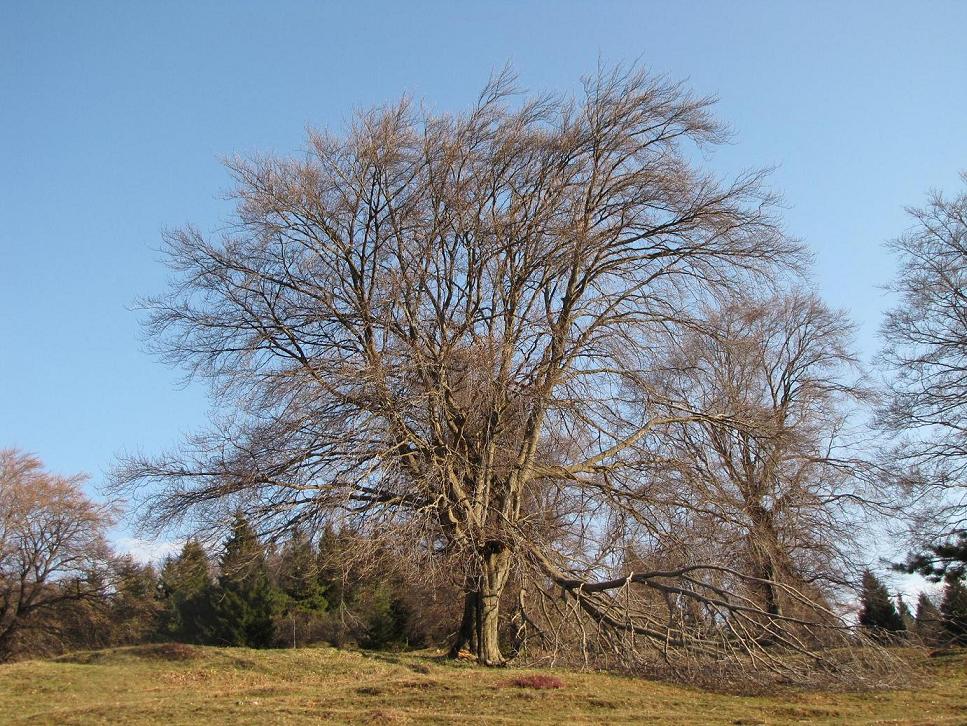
x=890, y=620
x=62, y=587
x=308, y=591
x=303, y=592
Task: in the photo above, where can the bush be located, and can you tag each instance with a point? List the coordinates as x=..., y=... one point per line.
x=538, y=681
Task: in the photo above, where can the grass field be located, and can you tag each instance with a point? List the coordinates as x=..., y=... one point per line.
x=189, y=685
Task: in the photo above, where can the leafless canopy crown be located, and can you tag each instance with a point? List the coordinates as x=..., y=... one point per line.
x=458, y=329
x=925, y=350
x=52, y=549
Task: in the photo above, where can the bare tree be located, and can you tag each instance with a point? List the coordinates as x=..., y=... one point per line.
x=779, y=473
x=925, y=350
x=735, y=529
x=448, y=327
x=52, y=547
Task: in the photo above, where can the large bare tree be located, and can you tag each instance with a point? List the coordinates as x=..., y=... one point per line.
x=925, y=351
x=744, y=518
x=779, y=474
x=449, y=327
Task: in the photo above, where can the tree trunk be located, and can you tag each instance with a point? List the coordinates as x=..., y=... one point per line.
x=468, y=622
x=773, y=606
x=495, y=569
x=764, y=547
x=480, y=625
x=5, y=641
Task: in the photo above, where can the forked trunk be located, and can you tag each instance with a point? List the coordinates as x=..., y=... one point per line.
x=496, y=568
x=480, y=624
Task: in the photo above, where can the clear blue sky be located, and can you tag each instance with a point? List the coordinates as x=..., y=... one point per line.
x=113, y=117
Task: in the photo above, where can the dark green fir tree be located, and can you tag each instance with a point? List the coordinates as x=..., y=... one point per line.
x=244, y=602
x=136, y=607
x=877, y=612
x=941, y=560
x=299, y=576
x=953, y=611
x=185, y=586
x=388, y=618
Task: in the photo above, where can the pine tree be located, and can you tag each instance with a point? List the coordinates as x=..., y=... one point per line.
x=906, y=617
x=940, y=561
x=927, y=623
x=953, y=611
x=877, y=612
x=244, y=602
x=334, y=552
x=185, y=586
x=387, y=620
x=136, y=606
x=299, y=576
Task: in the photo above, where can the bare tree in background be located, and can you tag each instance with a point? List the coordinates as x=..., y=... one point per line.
x=448, y=327
x=925, y=350
x=782, y=483
x=784, y=480
x=744, y=518
x=52, y=546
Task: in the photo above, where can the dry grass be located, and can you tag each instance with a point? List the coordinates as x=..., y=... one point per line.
x=190, y=685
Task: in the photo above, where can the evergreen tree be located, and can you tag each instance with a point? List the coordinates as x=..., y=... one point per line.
x=927, y=623
x=877, y=612
x=953, y=611
x=906, y=617
x=185, y=586
x=299, y=576
x=334, y=549
x=387, y=620
x=136, y=606
x=244, y=602
x=940, y=561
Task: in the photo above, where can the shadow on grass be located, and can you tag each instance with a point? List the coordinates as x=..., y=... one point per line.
x=416, y=661
x=168, y=652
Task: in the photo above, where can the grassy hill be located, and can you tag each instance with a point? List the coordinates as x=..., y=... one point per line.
x=174, y=684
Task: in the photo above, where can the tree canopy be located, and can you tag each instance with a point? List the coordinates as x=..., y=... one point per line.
x=463, y=332
x=52, y=546
x=925, y=351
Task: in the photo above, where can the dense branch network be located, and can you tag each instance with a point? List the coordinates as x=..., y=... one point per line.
x=456, y=330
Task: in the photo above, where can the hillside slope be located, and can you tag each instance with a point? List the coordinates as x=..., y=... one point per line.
x=174, y=684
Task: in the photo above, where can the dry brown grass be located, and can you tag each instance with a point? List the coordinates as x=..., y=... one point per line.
x=155, y=684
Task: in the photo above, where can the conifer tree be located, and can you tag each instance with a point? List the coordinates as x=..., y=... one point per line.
x=953, y=611
x=877, y=612
x=927, y=621
x=185, y=586
x=943, y=559
x=331, y=560
x=136, y=606
x=299, y=576
x=244, y=602
x=906, y=617
x=388, y=618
